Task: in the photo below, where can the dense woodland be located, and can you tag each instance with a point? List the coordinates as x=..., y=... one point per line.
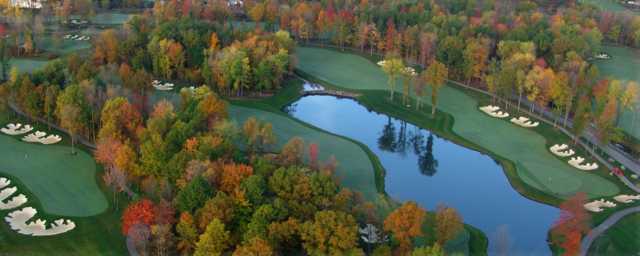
x=200, y=184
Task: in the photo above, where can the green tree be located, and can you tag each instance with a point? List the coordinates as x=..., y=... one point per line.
x=434, y=250
x=193, y=195
x=187, y=233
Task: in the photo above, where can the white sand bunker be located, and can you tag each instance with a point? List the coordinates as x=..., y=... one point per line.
x=162, y=87
x=16, y=129
x=77, y=37
x=14, y=202
x=626, y=198
x=577, y=163
x=4, y=182
x=39, y=137
x=596, y=206
x=18, y=222
x=524, y=122
x=561, y=150
x=494, y=111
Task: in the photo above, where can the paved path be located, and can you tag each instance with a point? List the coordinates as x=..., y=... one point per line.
x=613, y=219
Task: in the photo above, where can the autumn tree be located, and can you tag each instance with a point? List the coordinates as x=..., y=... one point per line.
x=254, y=247
x=393, y=67
x=448, y=224
x=292, y=152
x=106, y=47
x=141, y=212
x=574, y=221
x=258, y=134
x=69, y=110
x=436, y=76
x=405, y=223
x=214, y=240
x=476, y=54
x=232, y=176
x=330, y=233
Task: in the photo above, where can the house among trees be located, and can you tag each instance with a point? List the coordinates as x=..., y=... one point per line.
x=26, y=4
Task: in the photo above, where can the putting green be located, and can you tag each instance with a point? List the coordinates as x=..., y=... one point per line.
x=354, y=166
x=64, y=184
x=527, y=149
x=624, y=66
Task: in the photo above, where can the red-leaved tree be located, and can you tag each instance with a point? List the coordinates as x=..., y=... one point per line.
x=574, y=221
x=313, y=155
x=141, y=212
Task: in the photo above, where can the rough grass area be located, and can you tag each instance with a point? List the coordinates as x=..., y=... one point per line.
x=619, y=239
x=527, y=149
x=64, y=184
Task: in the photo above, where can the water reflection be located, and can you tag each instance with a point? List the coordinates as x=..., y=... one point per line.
x=430, y=170
x=393, y=142
x=427, y=163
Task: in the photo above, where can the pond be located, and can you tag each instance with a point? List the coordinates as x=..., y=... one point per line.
x=431, y=171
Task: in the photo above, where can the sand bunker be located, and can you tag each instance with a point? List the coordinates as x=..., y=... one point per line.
x=561, y=150
x=494, y=111
x=18, y=220
x=577, y=163
x=162, y=87
x=524, y=122
x=16, y=129
x=626, y=198
x=39, y=137
x=596, y=206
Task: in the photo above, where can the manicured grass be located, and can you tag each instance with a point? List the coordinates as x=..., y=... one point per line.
x=111, y=18
x=94, y=235
x=526, y=149
x=65, y=184
x=620, y=239
x=623, y=66
x=606, y=5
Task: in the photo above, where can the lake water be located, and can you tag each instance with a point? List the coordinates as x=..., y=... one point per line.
x=431, y=171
